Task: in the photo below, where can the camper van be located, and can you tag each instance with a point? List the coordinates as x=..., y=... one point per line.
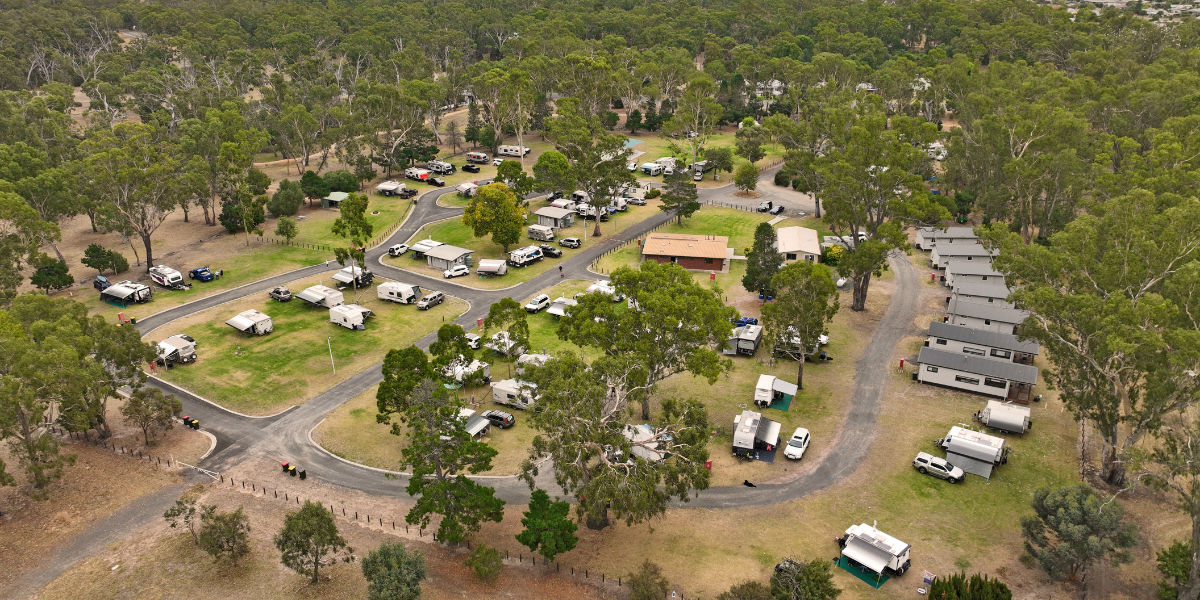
x=319, y=295
x=178, y=348
x=126, y=292
x=477, y=157
x=167, y=277
x=1005, y=416
x=541, y=233
x=514, y=393
x=517, y=151
x=350, y=316
x=252, y=322
x=400, y=293
x=652, y=169
x=416, y=174
x=875, y=550
x=354, y=276
x=441, y=167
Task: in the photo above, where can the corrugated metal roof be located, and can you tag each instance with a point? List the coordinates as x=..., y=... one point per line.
x=991, y=339
x=553, y=213
x=983, y=310
x=447, y=252
x=971, y=267
x=797, y=239
x=690, y=246
x=947, y=232
x=979, y=288
x=952, y=250
x=979, y=366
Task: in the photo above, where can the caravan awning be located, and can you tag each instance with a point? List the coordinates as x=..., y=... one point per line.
x=240, y=323
x=974, y=466
x=867, y=555
x=311, y=295
x=348, y=274
x=559, y=307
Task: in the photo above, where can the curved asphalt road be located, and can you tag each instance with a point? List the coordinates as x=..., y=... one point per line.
x=287, y=434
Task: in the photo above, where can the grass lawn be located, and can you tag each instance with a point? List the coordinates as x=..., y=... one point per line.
x=318, y=222
x=258, y=262
x=453, y=232
x=291, y=365
x=655, y=147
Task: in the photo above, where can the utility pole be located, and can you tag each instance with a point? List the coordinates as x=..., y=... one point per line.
x=329, y=343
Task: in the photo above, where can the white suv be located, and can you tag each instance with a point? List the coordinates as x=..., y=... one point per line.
x=456, y=271
x=539, y=302
x=928, y=464
x=798, y=444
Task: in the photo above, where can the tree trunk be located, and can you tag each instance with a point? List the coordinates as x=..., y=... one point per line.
x=149, y=251
x=800, y=374
x=1112, y=469
x=596, y=233
x=1190, y=590
x=597, y=523
x=861, y=283
x=92, y=217
x=60, y=258
x=817, y=200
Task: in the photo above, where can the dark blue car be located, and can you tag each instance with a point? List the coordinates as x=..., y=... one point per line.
x=202, y=274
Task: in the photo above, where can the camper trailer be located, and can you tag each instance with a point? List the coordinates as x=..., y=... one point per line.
x=400, y=293
x=640, y=446
x=558, y=308
x=252, y=322
x=394, y=188
x=475, y=425
x=491, y=268
x=605, y=287
x=771, y=389
x=477, y=157
x=420, y=248
x=564, y=204
x=1005, y=416
x=503, y=343
x=354, y=276
x=416, y=174
x=319, y=295
x=167, y=277
x=350, y=316
x=974, y=452
x=875, y=550
x=126, y=292
x=458, y=371
x=745, y=340
x=523, y=257
x=518, y=151
x=178, y=348
x=514, y=393
x=652, y=169
x=753, y=433
x=541, y=233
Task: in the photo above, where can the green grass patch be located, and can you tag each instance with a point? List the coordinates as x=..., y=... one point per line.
x=317, y=226
x=265, y=374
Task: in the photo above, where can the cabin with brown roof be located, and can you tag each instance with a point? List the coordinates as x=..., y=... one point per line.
x=692, y=252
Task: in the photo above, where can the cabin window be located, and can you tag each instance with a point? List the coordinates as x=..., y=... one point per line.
x=985, y=277
x=987, y=321
x=968, y=258
x=990, y=299
x=996, y=383
x=1001, y=353
x=791, y=256
x=931, y=369
x=975, y=351
x=966, y=380
x=708, y=261
x=941, y=342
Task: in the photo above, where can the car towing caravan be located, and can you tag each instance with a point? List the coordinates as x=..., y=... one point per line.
x=974, y=452
x=167, y=277
x=350, y=316
x=398, y=292
x=252, y=322
x=319, y=295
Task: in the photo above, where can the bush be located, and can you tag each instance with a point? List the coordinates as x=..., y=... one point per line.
x=486, y=563
x=746, y=177
x=394, y=573
x=225, y=535
x=654, y=193
x=959, y=587
x=287, y=201
x=52, y=275
x=648, y=583
x=231, y=215
x=783, y=178
x=341, y=181
x=257, y=181
x=102, y=259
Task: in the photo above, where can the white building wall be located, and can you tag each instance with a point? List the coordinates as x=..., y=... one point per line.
x=982, y=299
x=949, y=378
x=952, y=279
x=974, y=323
x=956, y=347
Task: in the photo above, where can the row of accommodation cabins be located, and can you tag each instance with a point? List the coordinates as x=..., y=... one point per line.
x=976, y=346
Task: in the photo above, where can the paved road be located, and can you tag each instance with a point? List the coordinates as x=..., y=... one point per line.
x=287, y=434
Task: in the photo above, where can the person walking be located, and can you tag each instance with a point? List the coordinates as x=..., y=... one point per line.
x=560, y=273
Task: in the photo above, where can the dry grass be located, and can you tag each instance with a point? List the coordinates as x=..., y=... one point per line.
x=161, y=563
x=291, y=364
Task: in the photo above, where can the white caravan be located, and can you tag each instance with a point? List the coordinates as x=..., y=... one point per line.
x=319, y=295
x=398, y=292
x=350, y=316
x=252, y=322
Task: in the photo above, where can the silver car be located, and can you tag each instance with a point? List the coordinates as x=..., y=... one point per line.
x=928, y=464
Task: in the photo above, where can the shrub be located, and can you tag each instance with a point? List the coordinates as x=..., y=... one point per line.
x=654, y=193
x=52, y=275
x=977, y=587
x=486, y=563
x=102, y=259
x=648, y=583
x=394, y=573
x=341, y=181
x=287, y=200
x=783, y=178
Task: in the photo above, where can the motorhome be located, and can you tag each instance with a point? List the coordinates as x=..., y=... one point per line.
x=126, y=292
x=350, y=316
x=541, y=233
x=514, y=393
x=875, y=550
x=178, y=348
x=252, y=322
x=974, y=452
x=167, y=277
x=754, y=434
x=517, y=151
x=319, y=295
x=416, y=174
x=1005, y=416
x=355, y=276
x=523, y=257
x=398, y=292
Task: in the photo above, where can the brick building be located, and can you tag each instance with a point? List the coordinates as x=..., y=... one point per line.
x=692, y=252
